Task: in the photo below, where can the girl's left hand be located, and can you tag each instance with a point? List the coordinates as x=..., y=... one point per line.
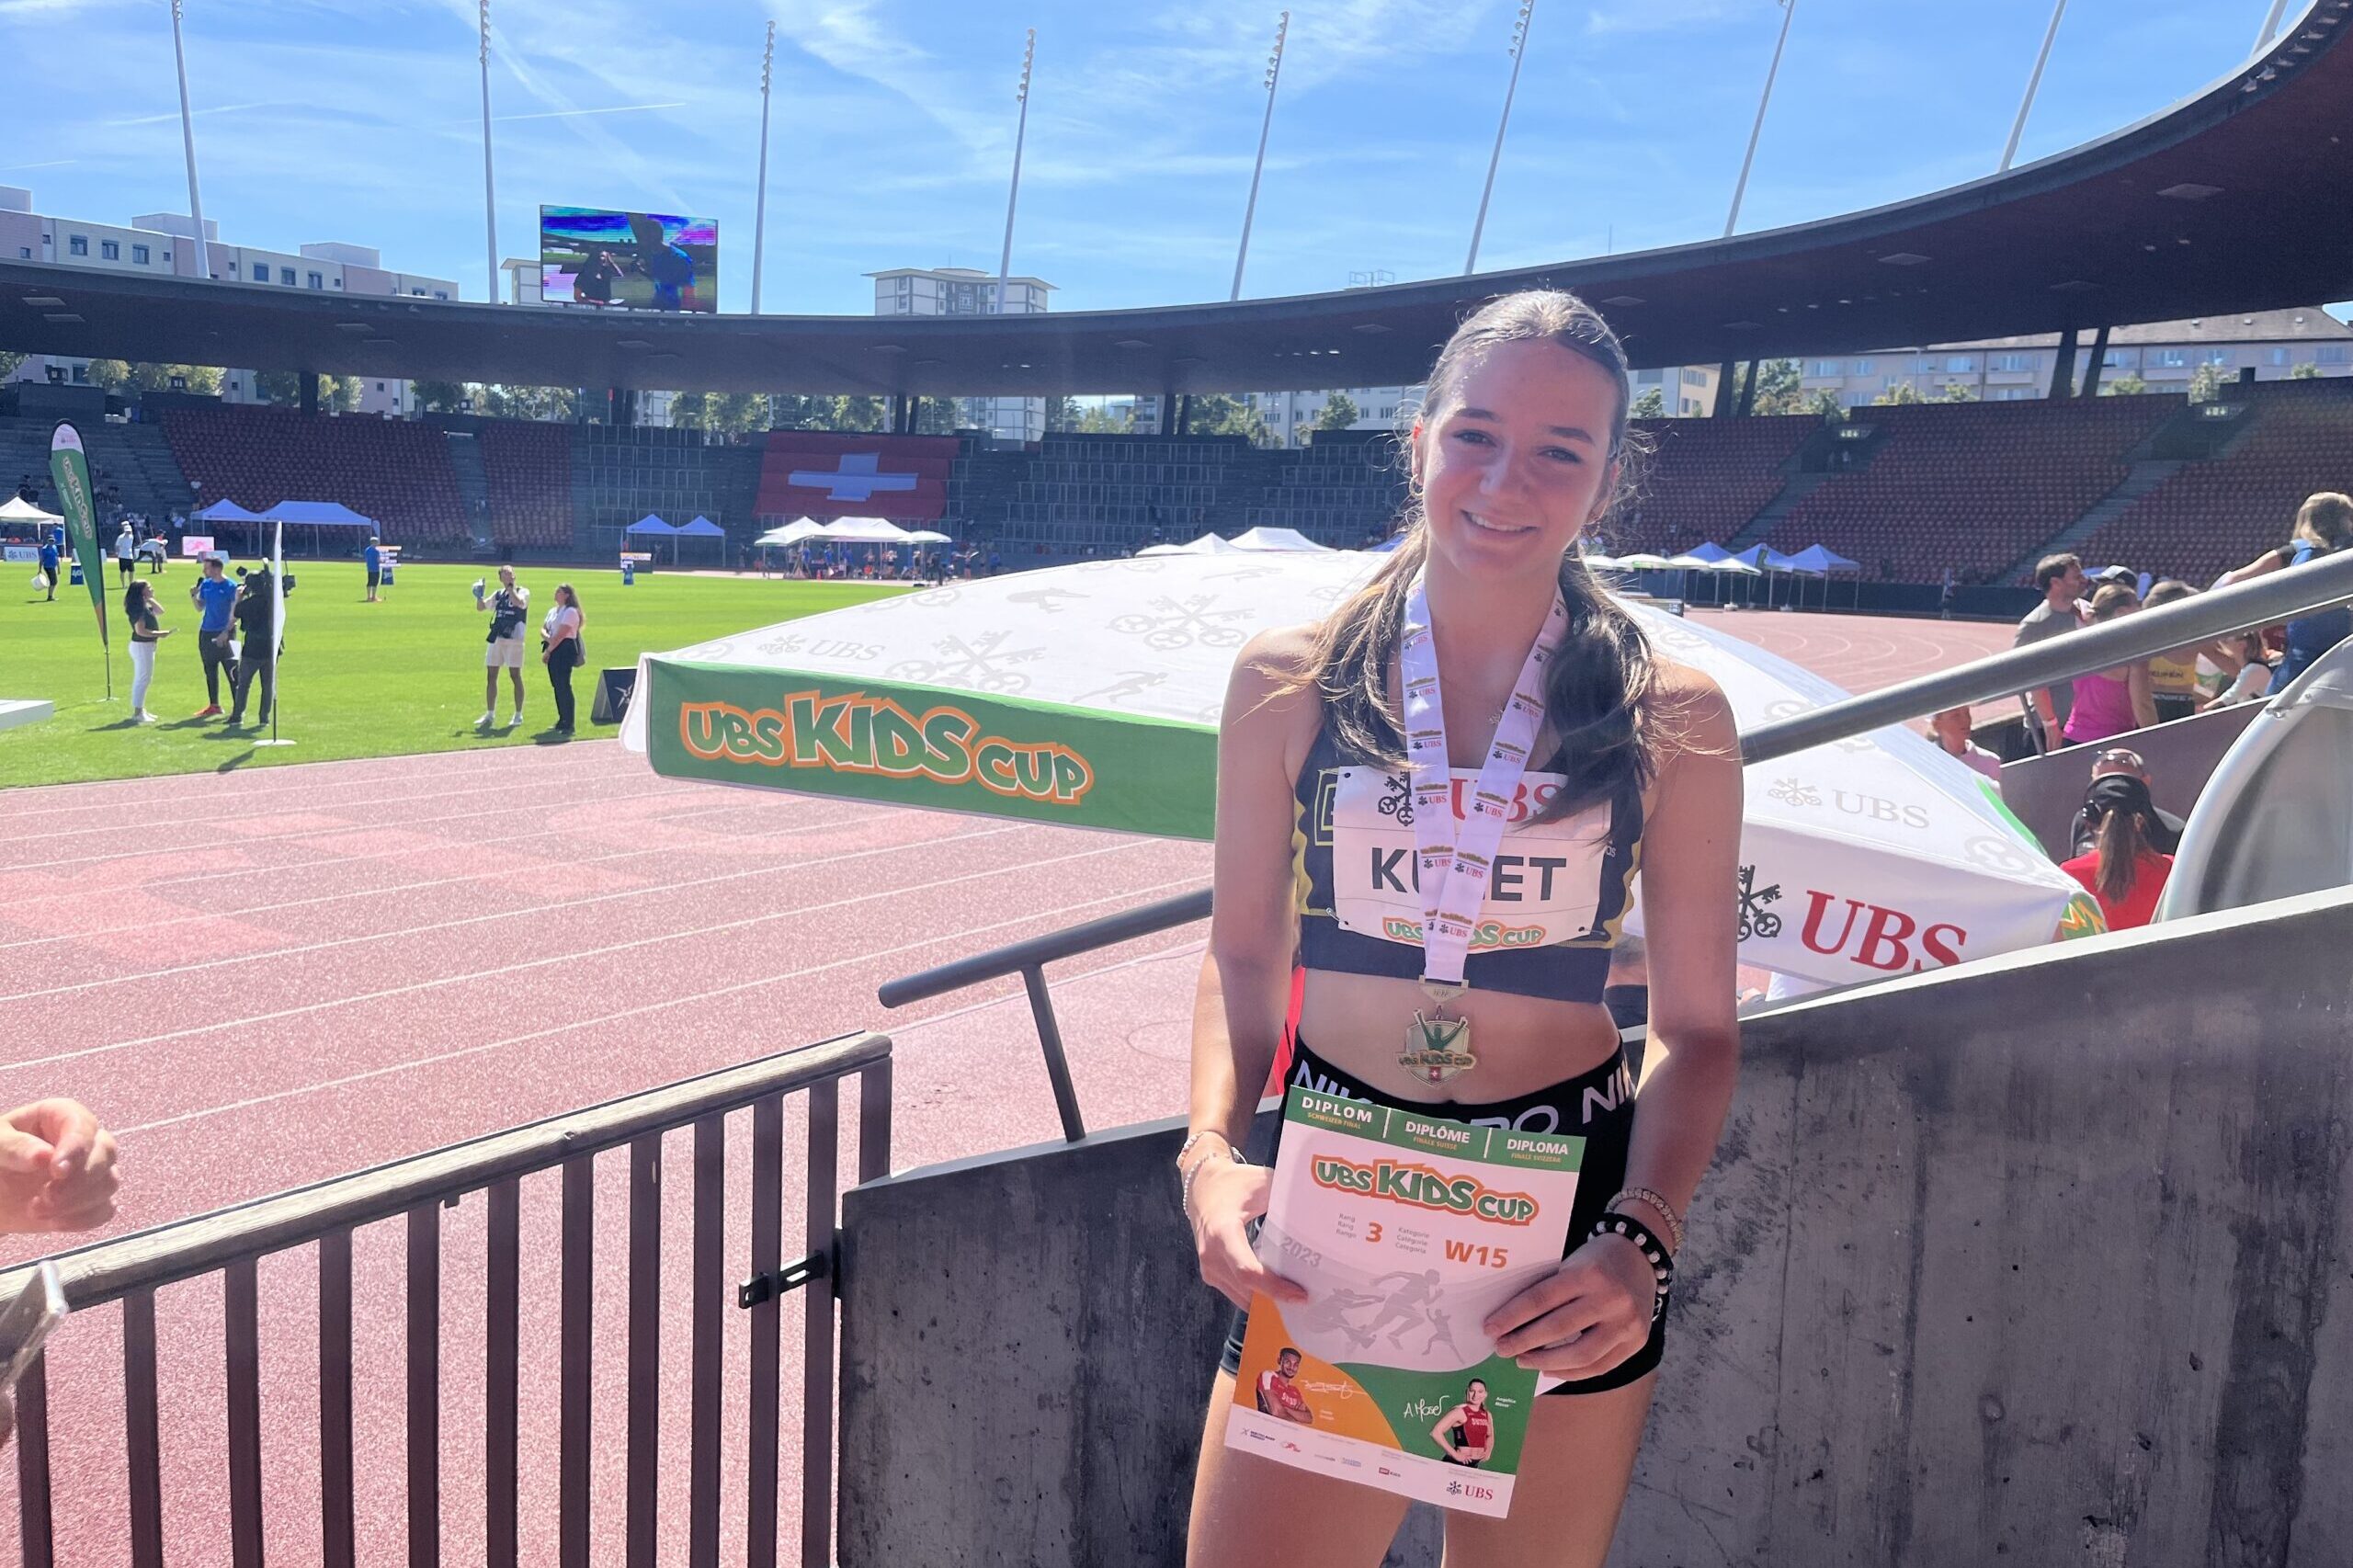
x=1585, y=1317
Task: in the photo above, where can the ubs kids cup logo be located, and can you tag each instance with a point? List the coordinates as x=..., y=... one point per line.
x=858, y=733
x=1422, y=1188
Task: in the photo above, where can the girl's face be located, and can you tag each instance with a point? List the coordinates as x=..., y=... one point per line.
x=1514, y=461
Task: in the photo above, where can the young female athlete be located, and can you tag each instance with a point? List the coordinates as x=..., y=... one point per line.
x=1467, y=1432
x=1482, y=647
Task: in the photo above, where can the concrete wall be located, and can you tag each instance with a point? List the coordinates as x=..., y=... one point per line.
x=2060, y=1279
x=2046, y=792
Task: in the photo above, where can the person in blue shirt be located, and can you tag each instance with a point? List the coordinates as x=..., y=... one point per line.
x=49, y=564
x=2323, y=527
x=375, y=558
x=216, y=597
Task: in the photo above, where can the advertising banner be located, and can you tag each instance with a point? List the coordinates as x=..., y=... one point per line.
x=1407, y=1230
x=69, y=469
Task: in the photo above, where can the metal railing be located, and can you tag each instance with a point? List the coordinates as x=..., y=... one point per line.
x=2267, y=600
x=231, y=1242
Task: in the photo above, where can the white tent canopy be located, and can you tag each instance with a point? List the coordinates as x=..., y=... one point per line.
x=17, y=509
x=793, y=532
x=1276, y=540
x=928, y=536
x=865, y=530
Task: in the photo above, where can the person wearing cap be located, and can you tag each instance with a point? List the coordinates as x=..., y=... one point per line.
x=2166, y=837
x=2124, y=871
x=374, y=555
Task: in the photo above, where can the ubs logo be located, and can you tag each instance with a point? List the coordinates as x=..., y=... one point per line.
x=1878, y=937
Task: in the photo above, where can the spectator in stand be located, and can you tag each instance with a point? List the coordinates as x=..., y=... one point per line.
x=508, y=609
x=50, y=564
x=562, y=652
x=126, y=554
x=374, y=557
x=2165, y=839
x=2124, y=871
x=1951, y=729
x=2244, y=667
x=146, y=630
x=2323, y=527
x=2173, y=675
x=2060, y=578
x=215, y=596
x=2111, y=701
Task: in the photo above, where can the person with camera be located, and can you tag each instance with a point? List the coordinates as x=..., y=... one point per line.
x=256, y=617
x=506, y=609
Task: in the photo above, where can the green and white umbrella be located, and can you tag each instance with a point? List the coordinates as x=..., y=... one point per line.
x=1089, y=695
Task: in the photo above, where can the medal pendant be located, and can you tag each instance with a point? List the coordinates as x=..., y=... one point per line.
x=1438, y=1048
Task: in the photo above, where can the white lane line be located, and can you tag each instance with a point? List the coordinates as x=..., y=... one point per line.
x=216, y=843
x=144, y=926
x=144, y=788
x=533, y=913
x=351, y=1078
x=416, y=987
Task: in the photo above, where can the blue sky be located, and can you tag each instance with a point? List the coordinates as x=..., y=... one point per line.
x=339, y=119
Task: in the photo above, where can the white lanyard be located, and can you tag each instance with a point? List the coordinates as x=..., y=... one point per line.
x=1453, y=875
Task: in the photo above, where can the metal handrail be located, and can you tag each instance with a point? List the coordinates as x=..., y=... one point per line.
x=2276, y=596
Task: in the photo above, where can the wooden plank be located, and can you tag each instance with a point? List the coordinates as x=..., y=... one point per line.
x=709, y=1305
x=644, y=1455
x=502, y=1363
x=338, y=1541
x=241, y=1300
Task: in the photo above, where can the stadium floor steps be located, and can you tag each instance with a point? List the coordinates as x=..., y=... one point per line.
x=2146, y=475
x=1760, y=526
x=474, y=486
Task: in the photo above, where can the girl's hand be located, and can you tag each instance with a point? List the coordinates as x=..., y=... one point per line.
x=1228, y=1195
x=1583, y=1318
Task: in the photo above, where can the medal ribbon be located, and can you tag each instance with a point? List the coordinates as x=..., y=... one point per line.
x=1453, y=875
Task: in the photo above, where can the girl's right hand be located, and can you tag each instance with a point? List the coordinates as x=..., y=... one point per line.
x=1228, y=1195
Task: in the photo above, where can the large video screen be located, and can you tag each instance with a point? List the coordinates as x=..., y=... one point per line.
x=628, y=261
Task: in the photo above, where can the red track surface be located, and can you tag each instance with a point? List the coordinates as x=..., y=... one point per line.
x=264, y=979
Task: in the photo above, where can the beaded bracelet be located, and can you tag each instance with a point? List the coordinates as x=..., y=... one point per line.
x=1185, y=1179
x=1656, y=1200
x=1661, y=1264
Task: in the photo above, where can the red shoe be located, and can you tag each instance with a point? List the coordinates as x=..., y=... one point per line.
x=212, y=713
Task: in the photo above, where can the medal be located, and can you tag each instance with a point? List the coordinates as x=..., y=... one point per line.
x=1452, y=865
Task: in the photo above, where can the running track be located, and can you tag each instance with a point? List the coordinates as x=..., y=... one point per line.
x=264, y=979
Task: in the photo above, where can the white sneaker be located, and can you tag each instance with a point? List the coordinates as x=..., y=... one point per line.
x=515, y=721
x=485, y=722
x=143, y=716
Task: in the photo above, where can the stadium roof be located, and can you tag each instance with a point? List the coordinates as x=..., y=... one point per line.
x=2237, y=199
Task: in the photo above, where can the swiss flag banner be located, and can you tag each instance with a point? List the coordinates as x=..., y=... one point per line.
x=822, y=474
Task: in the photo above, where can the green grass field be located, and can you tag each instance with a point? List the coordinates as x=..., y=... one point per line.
x=358, y=679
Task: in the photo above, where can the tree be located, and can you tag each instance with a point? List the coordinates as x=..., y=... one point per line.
x=1340, y=412
x=690, y=411
x=111, y=374
x=2129, y=384
x=1216, y=414
x=1652, y=404
x=1779, y=388
x=2307, y=372
x=1900, y=391
x=439, y=397
x=1959, y=392
x=937, y=415
x=1098, y=421
x=861, y=411
x=202, y=379
x=1061, y=413
x=500, y=401
x=10, y=363
x=1826, y=403
x=2205, y=383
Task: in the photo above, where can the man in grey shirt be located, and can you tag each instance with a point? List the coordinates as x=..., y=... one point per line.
x=2060, y=578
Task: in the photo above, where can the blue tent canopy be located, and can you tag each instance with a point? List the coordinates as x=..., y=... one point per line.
x=1816, y=560
x=1709, y=551
x=317, y=514
x=702, y=527
x=649, y=524
x=228, y=512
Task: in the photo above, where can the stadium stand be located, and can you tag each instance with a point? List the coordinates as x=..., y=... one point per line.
x=1970, y=487
x=826, y=474
x=528, y=471
x=2221, y=513
x=130, y=466
x=1706, y=479
x=619, y=475
x=394, y=471
x=1346, y=489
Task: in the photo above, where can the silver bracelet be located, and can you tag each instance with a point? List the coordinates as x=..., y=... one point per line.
x=1653, y=1201
x=1186, y=1146
x=1185, y=1178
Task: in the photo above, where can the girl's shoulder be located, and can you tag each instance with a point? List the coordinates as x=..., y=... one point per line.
x=1693, y=717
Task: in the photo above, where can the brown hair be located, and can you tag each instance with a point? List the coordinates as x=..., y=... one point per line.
x=2123, y=813
x=564, y=592
x=2327, y=518
x=2112, y=601
x=2171, y=591
x=2050, y=568
x=1598, y=689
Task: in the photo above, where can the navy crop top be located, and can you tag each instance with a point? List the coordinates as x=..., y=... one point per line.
x=1555, y=903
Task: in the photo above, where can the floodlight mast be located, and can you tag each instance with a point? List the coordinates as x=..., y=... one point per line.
x=760, y=200
x=1020, y=135
x=489, y=186
x=2034, y=86
x=1273, y=80
x=1788, y=14
x=2271, y=25
x=187, y=143
x=1511, y=88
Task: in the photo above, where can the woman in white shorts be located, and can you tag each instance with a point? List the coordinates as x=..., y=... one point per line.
x=508, y=609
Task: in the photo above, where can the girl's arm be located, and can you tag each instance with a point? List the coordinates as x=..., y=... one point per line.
x=2144, y=700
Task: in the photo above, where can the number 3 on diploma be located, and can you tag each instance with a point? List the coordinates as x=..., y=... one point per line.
x=1373, y=1231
